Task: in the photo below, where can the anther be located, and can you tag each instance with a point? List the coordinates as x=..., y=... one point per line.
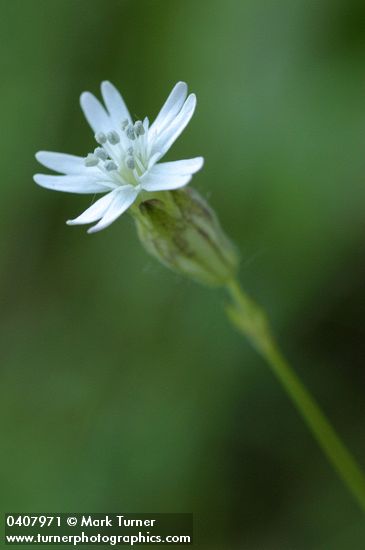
x=124, y=124
x=138, y=128
x=100, y=138
x=91, y=160
x=130, y=151
x=113, y=137
x=130, y=163
x=130, y=132
x=110, y=166
x=101, y=153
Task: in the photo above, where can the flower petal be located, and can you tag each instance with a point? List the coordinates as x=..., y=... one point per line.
x=124, y=197
x=167, y=137
x=178, y=167
x=95, y=211
x=170, y=108
x=73, y=183
x=164, y=182
x=95, y=113
x=61, y=162
x=114, y=103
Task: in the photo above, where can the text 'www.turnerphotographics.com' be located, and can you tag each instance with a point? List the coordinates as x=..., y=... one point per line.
x=100, y=529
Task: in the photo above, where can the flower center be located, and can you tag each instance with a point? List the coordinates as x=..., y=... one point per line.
x=122, y=155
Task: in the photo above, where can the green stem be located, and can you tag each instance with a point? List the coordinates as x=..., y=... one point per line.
x=251, y=320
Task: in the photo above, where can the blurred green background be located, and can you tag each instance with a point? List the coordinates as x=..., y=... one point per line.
x=123, y=387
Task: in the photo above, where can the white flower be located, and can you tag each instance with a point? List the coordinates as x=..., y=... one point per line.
x=126, y=160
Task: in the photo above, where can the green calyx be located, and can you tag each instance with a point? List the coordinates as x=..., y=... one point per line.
x=181, y=230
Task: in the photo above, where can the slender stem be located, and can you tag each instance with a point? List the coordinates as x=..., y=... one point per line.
x=251, y=320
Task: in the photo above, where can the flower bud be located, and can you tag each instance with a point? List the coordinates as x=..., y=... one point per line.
x=183, y=232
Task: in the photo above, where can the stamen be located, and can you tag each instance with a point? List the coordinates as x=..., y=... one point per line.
x=101, y=153
x=100, y=138
x=110, y=166
x=146, y=123
x=138, y=128
x=91, y=160
x=113, y=137
x=130, y=163
x=130, y=151
x=139, y=164
x=130, y=132
x=124, y=124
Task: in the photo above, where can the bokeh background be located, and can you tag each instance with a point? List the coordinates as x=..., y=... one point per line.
x=123, y=387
